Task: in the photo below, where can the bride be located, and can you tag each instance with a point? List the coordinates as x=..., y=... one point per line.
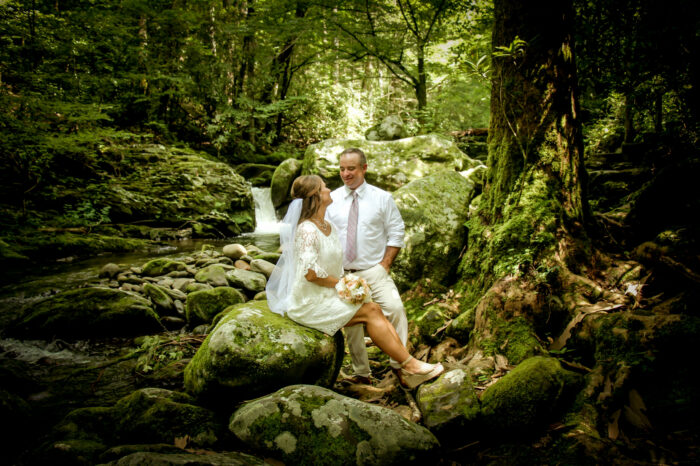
x=303, y=284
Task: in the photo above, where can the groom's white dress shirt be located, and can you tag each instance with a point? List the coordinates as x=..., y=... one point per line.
x=379, y=223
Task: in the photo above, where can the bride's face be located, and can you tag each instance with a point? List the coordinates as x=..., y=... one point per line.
x=325, y=195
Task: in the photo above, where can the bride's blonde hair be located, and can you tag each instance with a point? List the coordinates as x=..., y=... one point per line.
x=308, y=188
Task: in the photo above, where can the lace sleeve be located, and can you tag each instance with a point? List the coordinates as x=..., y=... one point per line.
x=307, y=246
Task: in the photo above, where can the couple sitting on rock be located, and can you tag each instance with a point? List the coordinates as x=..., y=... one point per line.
x=308, y=286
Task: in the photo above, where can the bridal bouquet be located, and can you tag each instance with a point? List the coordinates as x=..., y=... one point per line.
x=353, y=289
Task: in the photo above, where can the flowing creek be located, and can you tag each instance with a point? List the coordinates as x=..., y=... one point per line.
x=58, y=376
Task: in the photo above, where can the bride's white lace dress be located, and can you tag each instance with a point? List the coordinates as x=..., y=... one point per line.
x=312, y=305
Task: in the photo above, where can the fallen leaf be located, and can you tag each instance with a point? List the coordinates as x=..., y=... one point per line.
x=613, y=426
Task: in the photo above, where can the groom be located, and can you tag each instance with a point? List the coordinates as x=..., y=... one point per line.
x=371, y=231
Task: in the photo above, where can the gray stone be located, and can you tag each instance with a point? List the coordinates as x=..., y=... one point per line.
x=110, y=270
x=202, y=306
x=214, y=275
x=234, y=251
x=301, y=423
x=434, y=210
x=450, y=405
x=162, y=300
x=262, y=266
x=252, y=281
x=282, y=180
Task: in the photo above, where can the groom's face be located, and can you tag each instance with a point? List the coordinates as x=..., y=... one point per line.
x=351, y=171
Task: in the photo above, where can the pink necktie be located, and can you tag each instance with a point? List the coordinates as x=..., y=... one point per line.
x=351, y=240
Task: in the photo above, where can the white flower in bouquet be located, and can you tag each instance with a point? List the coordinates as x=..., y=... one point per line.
x=353, y=289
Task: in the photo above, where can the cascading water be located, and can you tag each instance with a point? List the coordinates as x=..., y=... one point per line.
x=265, y=218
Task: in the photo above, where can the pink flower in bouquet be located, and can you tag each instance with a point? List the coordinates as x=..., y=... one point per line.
x=353, y=289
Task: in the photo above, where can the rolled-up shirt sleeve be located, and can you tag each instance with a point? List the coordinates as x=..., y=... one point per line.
x=394, y=224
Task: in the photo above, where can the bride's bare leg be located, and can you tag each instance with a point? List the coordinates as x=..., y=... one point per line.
x=380, y=330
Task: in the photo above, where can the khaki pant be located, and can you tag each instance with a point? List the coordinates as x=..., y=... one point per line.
x=384, y=293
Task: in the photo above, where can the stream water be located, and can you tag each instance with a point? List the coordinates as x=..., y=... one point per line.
x=59, y=375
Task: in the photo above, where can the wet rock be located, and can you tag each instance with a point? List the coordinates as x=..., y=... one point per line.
x=234, y=251
x=301, y=423
x=109, y=270
x=157, y=267
x=450, y=405
x=246, y=279
x=195, y=286
x=262, y=266
x=527, y=396
x=282, y=180
x=268, y=256
x=202, y=306
x=86, y=313
x=181, y=283
x=188, y=459
x=241, y=264
x=434, y=210
x=160, y=298
x=253, y=351
x=214, y=275
x=172, y=322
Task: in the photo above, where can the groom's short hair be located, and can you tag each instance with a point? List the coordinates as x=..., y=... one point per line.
x=355, y=150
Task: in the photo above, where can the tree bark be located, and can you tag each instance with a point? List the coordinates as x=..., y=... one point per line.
x=533, y=209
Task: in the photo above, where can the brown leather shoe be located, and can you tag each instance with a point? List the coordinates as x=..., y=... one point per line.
x=356, y=379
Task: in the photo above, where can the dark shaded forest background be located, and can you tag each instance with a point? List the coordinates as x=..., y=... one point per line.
x=257, y=81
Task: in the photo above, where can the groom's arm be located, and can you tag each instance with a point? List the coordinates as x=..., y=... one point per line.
x=389, y=256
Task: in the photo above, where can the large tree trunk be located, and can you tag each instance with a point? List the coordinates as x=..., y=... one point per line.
x=532, y=213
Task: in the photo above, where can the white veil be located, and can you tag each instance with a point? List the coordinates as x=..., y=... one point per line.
x=279, y=286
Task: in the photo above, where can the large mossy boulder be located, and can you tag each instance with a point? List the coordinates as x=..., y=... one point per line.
x=146, y=416
x=392, y=164
x=176, y=185
x=434, y=210
x=528, y=396
x=303, y=424
x=203, y=305
x=282, y=180
x=253, y=351
x=86, y=313
x=450, y=406
x=184, y=458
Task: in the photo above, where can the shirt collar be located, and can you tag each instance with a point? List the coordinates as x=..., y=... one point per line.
x=360, y=190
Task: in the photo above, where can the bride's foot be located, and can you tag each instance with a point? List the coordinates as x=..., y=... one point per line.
x=414, y=372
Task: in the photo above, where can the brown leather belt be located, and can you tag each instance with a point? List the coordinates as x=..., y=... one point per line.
x=354, y=270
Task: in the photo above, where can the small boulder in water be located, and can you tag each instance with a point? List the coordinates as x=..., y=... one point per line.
x=234, y=251
x=110, y=270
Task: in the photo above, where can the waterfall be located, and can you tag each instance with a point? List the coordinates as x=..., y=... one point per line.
x=265, y=217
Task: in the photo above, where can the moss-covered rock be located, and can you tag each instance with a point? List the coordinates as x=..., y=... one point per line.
x=7, y=253
x=158, y=267
x=203, y=305
x=434, y=210
x=527, y=396
x=390, y=128
x=262, y=266
x=392, y=164
x=148, y=415
x=304, y=424
x=282, y=180
x=257, y=174
x=247, y=279
x=174, y=185
x=450, y=406
x=253, y=351
x=86, y=313
x=214, y=275
x=188, y=459
x=160, y=298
